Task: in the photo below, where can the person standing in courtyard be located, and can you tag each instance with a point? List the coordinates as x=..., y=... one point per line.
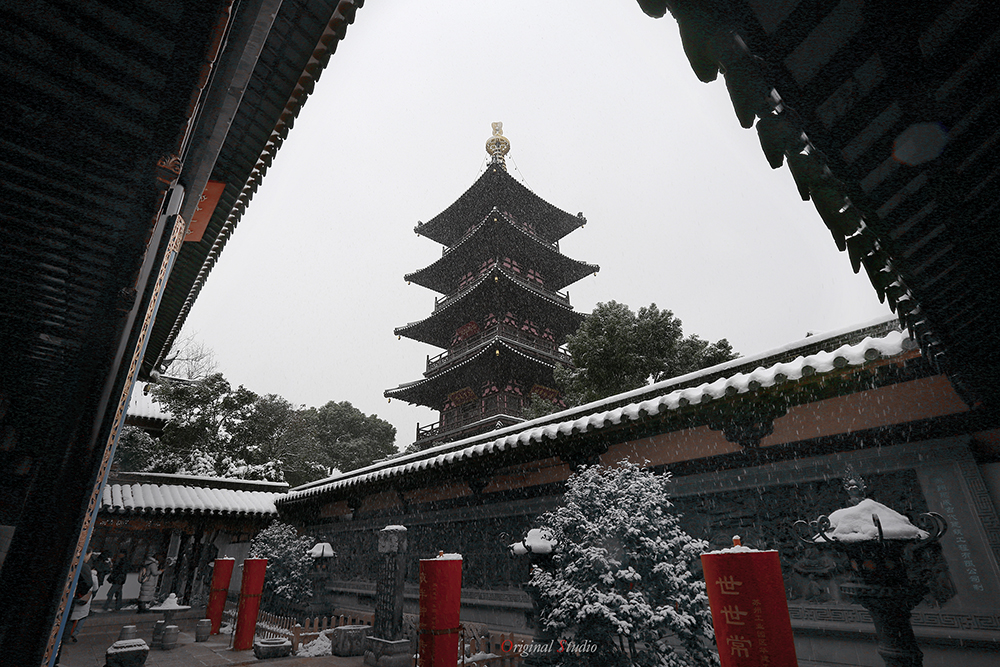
x=148, y=577
x=86, y=588
x=119, y=572
x=79, y=602
x=101, y=565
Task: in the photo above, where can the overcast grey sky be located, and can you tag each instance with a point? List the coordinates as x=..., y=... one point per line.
x=604, y=116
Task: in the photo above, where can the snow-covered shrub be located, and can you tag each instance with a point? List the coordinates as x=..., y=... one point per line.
x=288, y=564
x=620, y=575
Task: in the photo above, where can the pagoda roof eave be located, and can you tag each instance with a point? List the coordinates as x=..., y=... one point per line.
x=428, y=391
x=428, y=330
x=497, y=188
x=496, y=227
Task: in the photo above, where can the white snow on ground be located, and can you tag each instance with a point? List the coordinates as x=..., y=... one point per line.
x=853, y=524
x=319, y=646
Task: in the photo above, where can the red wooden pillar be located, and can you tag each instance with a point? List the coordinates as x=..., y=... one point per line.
x=440, y=601
x=749, y=609
x=250, y=590
x=221, y=574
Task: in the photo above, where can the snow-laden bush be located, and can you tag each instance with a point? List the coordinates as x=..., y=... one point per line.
x=288, y=562
x=620, y=575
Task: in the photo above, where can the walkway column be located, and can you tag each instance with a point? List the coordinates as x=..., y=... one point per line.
x=440, y=602
x=250, y=590
x=221, y=574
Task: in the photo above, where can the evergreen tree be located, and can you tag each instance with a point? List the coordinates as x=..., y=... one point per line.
x=616, y=350
x=135, y=449
x=288, y=562
x=620, y=574
x=218, y=431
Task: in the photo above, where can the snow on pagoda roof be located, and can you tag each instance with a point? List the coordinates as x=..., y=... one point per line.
x=739, y=376
x=142, y=494
x=498, y=188
x=406, y=391
x=560, y=270
x=426, y=331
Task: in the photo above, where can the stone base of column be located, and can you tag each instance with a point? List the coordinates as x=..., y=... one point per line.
x=388, y=653
x=271, y=648
x=127, y=653
x=349, y=640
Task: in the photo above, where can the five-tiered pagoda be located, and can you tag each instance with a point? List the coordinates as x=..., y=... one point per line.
x=501, y=318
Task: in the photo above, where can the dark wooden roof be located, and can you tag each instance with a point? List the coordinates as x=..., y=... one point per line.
x=497, y=291
x=292, y=56
x=112, y=112
x=494, y=238
x=888, y=118
x=497, y=188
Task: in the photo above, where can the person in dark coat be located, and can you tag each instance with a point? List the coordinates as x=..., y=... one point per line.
x=101, y=565
x=119, y=572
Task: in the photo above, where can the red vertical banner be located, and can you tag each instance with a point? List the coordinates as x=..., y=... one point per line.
x=250, y=590
x=440, y=602
x=221, y=574
x=749, y=608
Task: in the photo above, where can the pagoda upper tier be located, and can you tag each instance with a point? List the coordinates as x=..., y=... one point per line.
x=495, y=294
x=497, y=188
x=501, y=239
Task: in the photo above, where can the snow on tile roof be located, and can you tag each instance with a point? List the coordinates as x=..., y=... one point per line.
x=664, y=398
x=140, y=498
x=141, y=404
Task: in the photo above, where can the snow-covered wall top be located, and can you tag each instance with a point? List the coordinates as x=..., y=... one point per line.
x=665, y=397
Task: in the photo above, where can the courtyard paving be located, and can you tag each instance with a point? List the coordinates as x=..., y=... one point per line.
x=100, y=630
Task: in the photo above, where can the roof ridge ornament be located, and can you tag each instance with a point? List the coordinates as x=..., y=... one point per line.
x=498, y=146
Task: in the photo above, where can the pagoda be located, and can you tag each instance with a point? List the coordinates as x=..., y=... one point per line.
x=501, y=318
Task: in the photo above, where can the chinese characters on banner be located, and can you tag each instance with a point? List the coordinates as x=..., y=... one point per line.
x=440, y=600
x=203, y=212
x=749, y=611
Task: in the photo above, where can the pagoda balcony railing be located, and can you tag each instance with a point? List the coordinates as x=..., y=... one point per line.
x=492, y=407
x=444, y=301
x=471, y=345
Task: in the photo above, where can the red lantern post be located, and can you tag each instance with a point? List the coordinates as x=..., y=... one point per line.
x=749, y=608
x=440, y=601
x=250, y=590
x=221, y=574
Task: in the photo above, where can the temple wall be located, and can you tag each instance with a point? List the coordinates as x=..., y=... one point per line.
x=479, y=510
x=760, y=504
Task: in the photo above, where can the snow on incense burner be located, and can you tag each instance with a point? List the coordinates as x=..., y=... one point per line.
x=885, y=549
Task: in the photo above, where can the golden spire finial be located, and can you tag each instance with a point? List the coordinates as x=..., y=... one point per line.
x=498, y=145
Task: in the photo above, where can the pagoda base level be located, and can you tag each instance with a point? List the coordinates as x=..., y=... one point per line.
x=433, y=434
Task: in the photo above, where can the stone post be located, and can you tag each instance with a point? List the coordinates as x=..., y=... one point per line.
x=386, y=647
